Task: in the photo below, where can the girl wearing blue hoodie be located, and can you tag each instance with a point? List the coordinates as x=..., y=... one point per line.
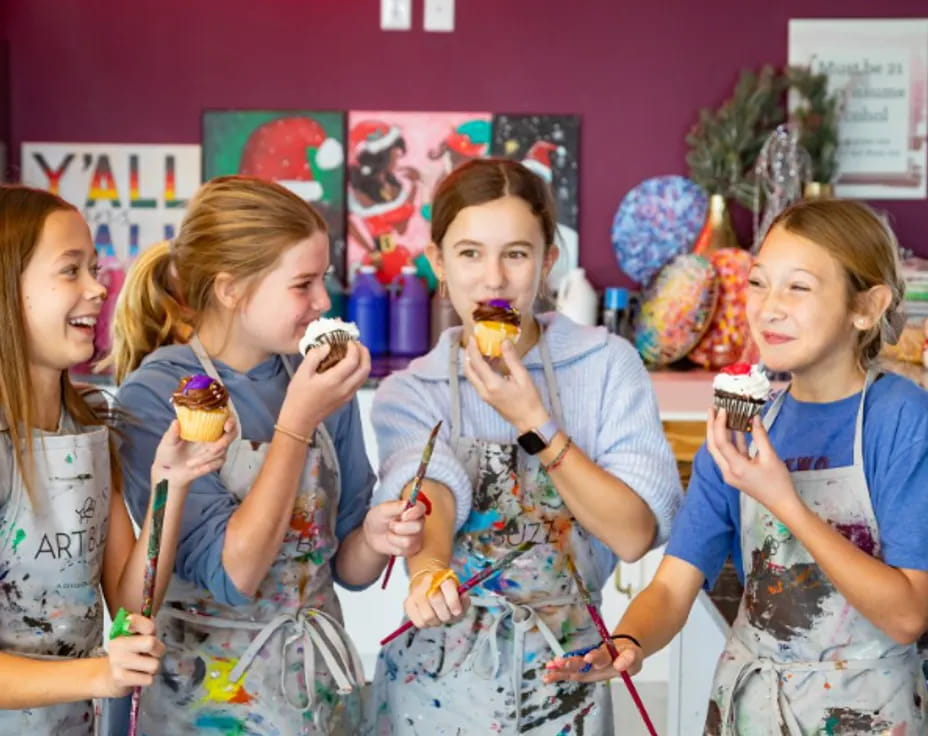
x=251, y=622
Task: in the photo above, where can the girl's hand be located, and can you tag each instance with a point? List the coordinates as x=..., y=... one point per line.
x=390, y=530
x=132, y=660
x=442, y=607
x=514, y=396
x=596, y=665
x=182, y=462
x=764, y=477
x=312, y=396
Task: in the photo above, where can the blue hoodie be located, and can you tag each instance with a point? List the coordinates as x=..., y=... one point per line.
x=257, y=395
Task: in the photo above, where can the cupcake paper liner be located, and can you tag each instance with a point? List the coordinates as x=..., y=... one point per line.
x=201, y=425
x=491, y=335
x=740, y=410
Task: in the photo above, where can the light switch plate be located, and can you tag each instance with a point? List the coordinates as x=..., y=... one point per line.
x=439, y=15
x=395, y=15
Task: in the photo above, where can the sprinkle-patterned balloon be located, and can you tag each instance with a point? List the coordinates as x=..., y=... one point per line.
x=676, y=309
x=657, y=219
x=725, y=339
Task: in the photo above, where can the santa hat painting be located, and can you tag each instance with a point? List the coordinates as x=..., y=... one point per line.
x=372, y=136
x=289, y=151
x=538, y=158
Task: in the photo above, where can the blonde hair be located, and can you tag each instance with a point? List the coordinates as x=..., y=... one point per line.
x=238, y=225
x=866, y=248
x=23, y=213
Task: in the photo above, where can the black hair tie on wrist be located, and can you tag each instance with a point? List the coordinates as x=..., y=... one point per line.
x=631, y=638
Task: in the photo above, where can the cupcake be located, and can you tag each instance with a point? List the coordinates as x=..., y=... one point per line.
x=202, y=407
x=494, y=322
x=334, y=332
x=741, y=390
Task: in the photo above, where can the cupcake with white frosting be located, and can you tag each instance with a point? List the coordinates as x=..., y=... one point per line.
x=329, y=331
x=741, y=390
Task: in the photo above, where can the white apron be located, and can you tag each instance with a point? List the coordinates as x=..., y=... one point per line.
x=281, y=664
x=482, y=675
x=800, y=660
x=51, y=564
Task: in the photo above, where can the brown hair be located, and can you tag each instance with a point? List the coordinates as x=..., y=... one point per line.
x=23, y=212
x=239, y=225
x=482, y=180
x=862, y=242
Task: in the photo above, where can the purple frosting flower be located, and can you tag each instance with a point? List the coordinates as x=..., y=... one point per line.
x=198, y=381
x=499, y=303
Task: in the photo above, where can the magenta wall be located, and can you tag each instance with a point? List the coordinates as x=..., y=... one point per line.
x=637, y=72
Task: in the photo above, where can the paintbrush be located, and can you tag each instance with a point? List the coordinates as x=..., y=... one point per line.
x=151, y=571
x=607, y=640
x=471, y=582
x=416, y=489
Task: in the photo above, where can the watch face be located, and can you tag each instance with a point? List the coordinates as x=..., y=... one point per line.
x=531, y=443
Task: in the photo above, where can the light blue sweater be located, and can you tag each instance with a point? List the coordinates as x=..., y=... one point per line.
x=609, y=407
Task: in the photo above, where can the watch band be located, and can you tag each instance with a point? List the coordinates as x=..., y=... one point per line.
x=547, y=431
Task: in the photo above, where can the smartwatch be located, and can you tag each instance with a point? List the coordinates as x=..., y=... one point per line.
x=536, y=440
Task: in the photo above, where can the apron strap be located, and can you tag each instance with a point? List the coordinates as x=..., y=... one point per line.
x=210, y=368
x=554, y=397
x=485, y=657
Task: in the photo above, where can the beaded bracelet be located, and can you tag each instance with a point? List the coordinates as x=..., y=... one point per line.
x=559, y=458
x=293, y=435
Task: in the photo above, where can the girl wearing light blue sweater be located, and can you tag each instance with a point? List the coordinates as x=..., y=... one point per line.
x=558, y=443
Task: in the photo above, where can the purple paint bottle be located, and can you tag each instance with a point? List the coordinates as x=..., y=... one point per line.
x=409, y=314
x=368, y=308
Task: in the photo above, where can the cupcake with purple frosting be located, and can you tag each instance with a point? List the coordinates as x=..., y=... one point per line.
x=202, y=407
x=495, y=321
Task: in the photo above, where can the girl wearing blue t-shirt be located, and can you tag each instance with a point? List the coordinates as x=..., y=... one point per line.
x=824, y=512
x=251, y=621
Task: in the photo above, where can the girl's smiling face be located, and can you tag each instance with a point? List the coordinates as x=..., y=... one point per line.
x=494, y=250
x=799, y=305
x=61, y=295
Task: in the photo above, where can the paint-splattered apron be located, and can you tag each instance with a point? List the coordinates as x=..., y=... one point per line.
x=483, y=674
x=51, y=563
x=281, y=664
x=800, y=659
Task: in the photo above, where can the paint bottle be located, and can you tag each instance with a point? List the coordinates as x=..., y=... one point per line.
x=409, y=314
x=368, y=308
x=616, y=315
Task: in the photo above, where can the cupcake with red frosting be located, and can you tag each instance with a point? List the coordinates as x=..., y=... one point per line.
x=202, y=407
x=495, y=321
x=741, y=390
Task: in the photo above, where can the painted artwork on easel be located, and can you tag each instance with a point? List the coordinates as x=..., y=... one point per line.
x=549, y=146
x=395, y=159
x=300, y=149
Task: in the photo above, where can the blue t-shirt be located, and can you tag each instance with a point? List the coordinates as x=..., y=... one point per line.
x=257, y=395
x=811, y=436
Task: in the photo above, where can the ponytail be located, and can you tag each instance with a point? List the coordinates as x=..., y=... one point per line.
x=148, y=315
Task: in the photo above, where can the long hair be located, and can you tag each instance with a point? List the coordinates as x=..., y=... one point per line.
x=23, y=213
